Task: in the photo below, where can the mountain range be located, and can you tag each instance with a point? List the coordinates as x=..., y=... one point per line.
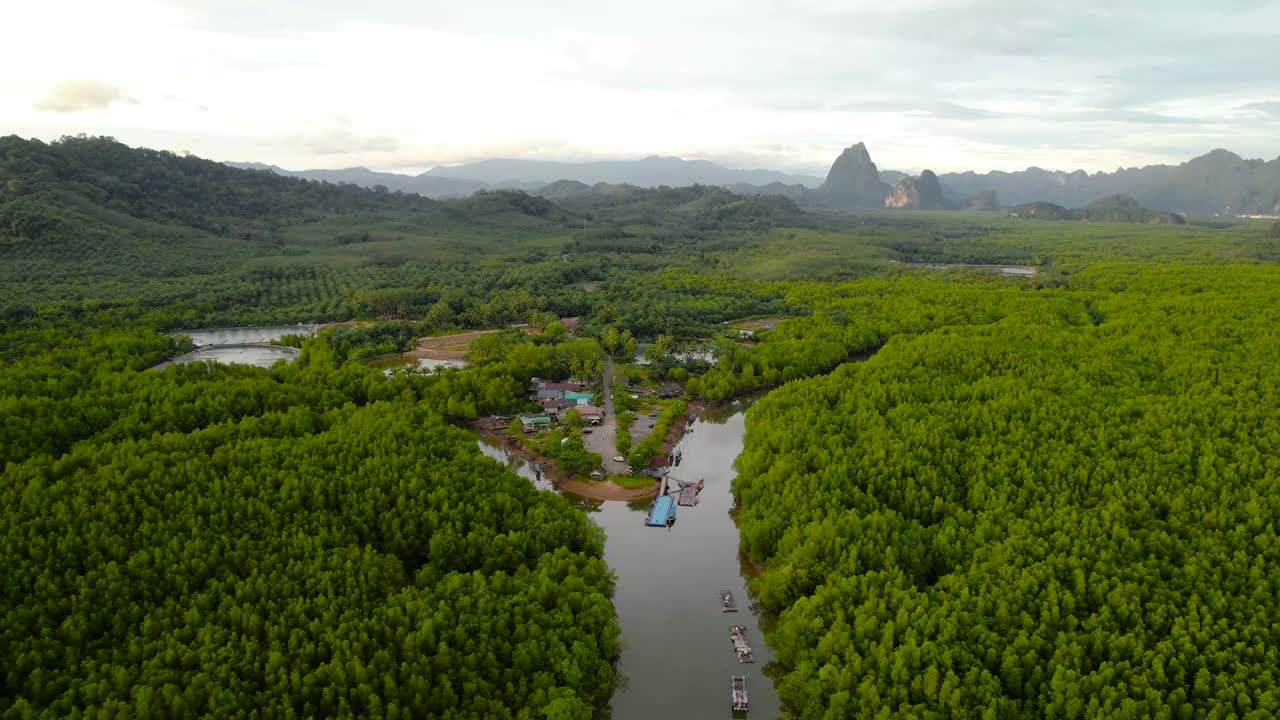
x=1219, y=182
x=462, y=180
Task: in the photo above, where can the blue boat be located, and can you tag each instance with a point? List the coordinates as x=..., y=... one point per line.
x=662, y=512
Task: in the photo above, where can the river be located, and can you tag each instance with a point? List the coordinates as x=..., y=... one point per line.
x=676, y=654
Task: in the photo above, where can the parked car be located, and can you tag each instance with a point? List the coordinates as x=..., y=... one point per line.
x=588, y=431
x=619, y=458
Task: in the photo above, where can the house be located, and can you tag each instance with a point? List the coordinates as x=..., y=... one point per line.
x=532, y=423
x=545, y=394
x=668, y=390
x=562, y=387
x=558, y=409
x=592, y=414
x=581, y=398
x=659, y=465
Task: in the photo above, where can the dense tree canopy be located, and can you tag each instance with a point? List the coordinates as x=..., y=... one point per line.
x=311, y=540
x=1033, y=512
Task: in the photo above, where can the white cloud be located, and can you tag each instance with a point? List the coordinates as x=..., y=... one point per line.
x=71, y=96
x=786, y=83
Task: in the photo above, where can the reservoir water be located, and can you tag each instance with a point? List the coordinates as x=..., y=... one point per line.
x=243, y=335
x=397, y=362
x=260, y=355
x=676, y=654
x=239, y=345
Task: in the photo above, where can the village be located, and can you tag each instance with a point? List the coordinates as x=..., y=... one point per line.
x=591, y=414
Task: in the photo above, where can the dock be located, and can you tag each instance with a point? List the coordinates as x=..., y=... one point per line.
x=741, y=648
x=662, y=512
x=738, y=693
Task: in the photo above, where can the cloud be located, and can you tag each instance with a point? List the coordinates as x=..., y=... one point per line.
x=938, y=109
x=70, y=96
x=1266, y=108
x=338, y=138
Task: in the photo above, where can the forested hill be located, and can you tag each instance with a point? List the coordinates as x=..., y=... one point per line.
x=38, y=180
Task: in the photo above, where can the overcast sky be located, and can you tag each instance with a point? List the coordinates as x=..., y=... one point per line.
x=948, y=85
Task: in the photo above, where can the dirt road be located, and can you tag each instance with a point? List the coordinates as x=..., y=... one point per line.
x=604, y=438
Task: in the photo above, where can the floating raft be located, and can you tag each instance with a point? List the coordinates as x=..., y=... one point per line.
x=726, y=601
x=738, y=693
x=741, y=648
x=662, y=512
x=688, y=495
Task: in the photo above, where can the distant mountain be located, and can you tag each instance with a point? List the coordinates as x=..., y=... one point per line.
x=922, y=193
x=985, y=201
x=1114, y=208
x=853, y=182
x=652, y=171
x=529, y=175
x=1218, y=182
x=434, y=187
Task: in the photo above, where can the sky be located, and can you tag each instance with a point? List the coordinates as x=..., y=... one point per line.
x=402, y=86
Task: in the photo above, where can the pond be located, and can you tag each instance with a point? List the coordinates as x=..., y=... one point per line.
x=243, y=335
x=260, y=355
x=397, y=362
x=676, y=654
x=706, y=355
x=1014, y=270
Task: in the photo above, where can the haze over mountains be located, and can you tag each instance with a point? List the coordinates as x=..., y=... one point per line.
x=461, y=180
x=1219, y=182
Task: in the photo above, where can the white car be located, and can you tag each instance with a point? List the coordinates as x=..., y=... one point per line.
x=619, y=458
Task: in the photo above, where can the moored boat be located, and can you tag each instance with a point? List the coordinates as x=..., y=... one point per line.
x=738, y=692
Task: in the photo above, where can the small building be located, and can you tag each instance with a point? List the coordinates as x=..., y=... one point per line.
x=582, y=398
x=592, y=414
x=668, y=390
x=546, y=394
x=533, y=423
x=596, y=475
x=659, y=465
x=562, y=387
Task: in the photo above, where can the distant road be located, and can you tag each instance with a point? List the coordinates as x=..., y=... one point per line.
x=604, y=438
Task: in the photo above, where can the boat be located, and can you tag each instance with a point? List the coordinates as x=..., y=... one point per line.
x=701, y=483
x=662, y=512
x=726, y=601
x=738, y=692
x=741, y=648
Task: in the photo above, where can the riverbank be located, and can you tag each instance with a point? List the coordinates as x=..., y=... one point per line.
x=601, y=490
